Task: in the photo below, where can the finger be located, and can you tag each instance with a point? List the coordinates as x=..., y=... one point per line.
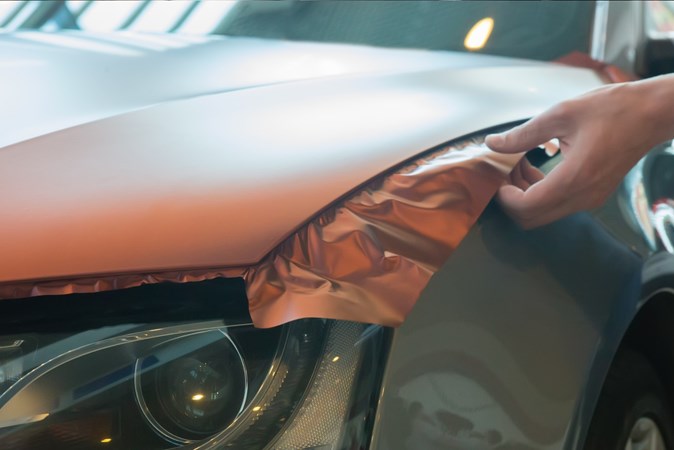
x=515, y=203
x=510, y=193
x=533, y=133
x=562, y=210
x=541, y=198
x=530, y=173
x=517, y=178
x=524, y=175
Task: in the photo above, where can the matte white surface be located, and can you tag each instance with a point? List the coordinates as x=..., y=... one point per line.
x=51, y=81
x=219, y=180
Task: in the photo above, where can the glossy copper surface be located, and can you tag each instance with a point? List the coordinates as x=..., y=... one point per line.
x=368, y=258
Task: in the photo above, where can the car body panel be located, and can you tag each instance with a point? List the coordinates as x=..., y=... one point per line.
x=509, y=344
x=199, y=162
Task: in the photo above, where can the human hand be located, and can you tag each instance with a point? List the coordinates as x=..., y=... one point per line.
x=601, y=134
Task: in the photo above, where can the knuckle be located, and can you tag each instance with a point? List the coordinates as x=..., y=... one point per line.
x=506, y=138
x=525, y=134
x=561, y=114
x=516, y=135
x=563, y=110
x=510, y=138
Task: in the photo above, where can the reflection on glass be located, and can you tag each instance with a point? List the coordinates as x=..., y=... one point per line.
x=75, y=6
x=107, y=16
x=479, y=34
x=660, y=16
x=160, y=17
x=663, y=220
x=18, y=18
x=78, y=42
x=205, y=17
x=7, y=9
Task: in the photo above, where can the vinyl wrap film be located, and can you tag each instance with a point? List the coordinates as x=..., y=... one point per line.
x=367, y=258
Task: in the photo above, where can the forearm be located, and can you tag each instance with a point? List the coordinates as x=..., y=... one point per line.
x=655, y=98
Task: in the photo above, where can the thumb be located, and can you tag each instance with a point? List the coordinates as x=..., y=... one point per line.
x=523, y=137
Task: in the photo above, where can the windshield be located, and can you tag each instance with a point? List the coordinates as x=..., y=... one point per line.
x=537, y=30
x=542, y=30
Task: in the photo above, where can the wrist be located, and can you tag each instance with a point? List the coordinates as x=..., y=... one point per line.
x=655, y=97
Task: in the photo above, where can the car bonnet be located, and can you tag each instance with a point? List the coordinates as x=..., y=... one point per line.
x=220, y=180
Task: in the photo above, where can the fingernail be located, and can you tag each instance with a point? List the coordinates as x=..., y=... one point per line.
x=494, y=140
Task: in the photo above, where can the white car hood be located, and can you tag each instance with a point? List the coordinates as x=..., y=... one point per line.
x=172, y=168
x=59, y=80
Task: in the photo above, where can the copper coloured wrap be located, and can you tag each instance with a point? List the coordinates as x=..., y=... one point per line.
x=368, y=258
x=110, y=282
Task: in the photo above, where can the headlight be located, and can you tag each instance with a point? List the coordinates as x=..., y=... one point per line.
x=193, y=385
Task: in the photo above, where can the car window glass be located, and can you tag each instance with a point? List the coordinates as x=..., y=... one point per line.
x=542, y=30
x=537, y=30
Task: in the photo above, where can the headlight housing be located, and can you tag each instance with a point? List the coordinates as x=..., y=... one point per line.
x=195, y=385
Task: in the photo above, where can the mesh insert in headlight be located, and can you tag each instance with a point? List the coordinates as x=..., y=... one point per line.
x=194, y=385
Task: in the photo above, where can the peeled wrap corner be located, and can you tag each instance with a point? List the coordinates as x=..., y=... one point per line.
x=369, y=257
x=365, y=259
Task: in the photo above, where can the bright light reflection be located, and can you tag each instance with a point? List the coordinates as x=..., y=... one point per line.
x=106, y=440
x=37, y=418
x=197, y=397
x=335, y=359
x=23, y=420
x=148, y=41
x=377, y=112
x=157, y=42
x=478, y=36
x=257, y=408
x=77, y=43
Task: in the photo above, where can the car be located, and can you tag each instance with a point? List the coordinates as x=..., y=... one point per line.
x=282, y=236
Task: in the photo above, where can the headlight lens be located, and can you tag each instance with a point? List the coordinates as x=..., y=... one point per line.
x=194, y=385
x=193, y=396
